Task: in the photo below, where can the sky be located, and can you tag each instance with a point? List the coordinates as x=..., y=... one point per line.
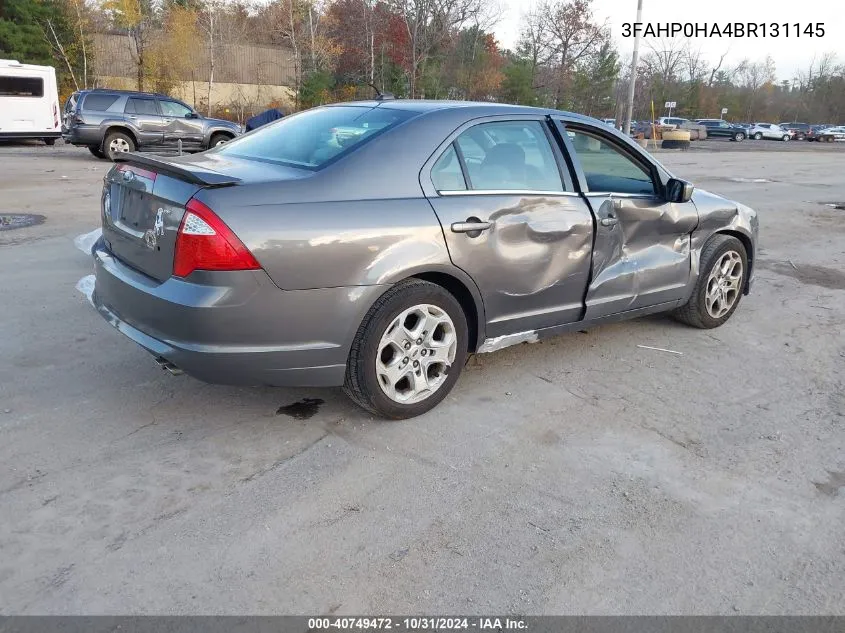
x=789, y=53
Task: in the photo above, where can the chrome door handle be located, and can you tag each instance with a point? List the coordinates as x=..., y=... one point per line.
x=470, y=227
x=609, y=221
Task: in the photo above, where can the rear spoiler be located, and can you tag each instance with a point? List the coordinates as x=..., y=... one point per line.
x=185, y=172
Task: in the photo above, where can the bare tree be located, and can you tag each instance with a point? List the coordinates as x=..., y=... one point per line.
x=572, y=35
x=428, y=24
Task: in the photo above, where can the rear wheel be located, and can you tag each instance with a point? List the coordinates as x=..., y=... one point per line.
x=722, y=270
x=96, y=151
x=49, y=141
x=758, y=136
x=117, y=143
x=408, y=352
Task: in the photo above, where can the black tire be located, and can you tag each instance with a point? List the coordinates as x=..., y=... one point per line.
x=739, y=136
x=49, y=141
x=694, y=312
x=362, y=383
x=758, y=136
x=96, y=151
x=117, y=136
x=217, y=138
x=785, y=137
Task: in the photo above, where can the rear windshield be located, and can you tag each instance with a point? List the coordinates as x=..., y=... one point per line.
x=314, y=138
x=21, y=87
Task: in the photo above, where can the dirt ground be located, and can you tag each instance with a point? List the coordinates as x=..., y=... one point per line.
x=580, y=475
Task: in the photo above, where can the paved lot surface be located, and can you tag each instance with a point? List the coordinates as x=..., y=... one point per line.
x=579, y=475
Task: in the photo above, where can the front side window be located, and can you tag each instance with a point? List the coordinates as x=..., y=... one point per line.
x=607, y=167
x=509, y=155
x=171, y=108
x=21, y=87
x=314, y=138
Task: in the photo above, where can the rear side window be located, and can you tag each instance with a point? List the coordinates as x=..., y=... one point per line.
x=141, y=106
x=98, y=103
x=70, y=106
x=314, y=138
x=21, y=87
x=447, y=174
x=511, y=155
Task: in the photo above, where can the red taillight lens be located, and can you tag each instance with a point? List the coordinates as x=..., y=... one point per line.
x=204, y=242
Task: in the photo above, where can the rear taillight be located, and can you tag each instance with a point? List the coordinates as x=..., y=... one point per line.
x=204, y=242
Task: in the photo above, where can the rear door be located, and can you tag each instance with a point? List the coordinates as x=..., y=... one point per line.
x=146, y=119
x=512, y=221
x=641, y=253
x=179, y=125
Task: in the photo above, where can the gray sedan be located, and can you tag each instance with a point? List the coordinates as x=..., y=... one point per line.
x=374, y=245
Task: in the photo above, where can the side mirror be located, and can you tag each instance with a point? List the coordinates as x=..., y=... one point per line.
x=192, y=115
x=679, y=190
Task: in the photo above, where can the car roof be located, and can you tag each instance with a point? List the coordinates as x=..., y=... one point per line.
x=122, y=92
x=470, y=108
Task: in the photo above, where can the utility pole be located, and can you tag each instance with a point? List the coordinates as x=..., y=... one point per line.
x=634, y=61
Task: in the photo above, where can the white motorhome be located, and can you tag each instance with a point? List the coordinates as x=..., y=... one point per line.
x=29, y=102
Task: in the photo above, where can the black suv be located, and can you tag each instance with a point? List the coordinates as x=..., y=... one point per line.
x=800, y=130
x=109, y=122
x=720, y=127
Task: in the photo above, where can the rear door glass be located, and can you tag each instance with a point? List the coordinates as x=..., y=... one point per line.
x=142, y=106
x=509, y=155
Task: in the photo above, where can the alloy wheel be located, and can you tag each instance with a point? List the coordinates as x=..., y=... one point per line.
x=723, y=284
x=415, y=353
x=118, y=146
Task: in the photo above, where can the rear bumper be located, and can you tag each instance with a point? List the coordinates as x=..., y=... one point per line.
x=83, y=135
x=234, y=328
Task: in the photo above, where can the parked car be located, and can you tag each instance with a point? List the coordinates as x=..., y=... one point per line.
x=830, y=134
x=29, y=102
x=112, y=122
x=815, y=129
x=281, y=258
x=675, y=121
x=799, y=130
x=769, y=131
x=720, y=127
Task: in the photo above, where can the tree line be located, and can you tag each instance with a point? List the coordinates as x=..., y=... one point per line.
x=436, y=49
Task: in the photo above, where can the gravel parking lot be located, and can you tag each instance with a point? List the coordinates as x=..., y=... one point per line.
x=581, y=475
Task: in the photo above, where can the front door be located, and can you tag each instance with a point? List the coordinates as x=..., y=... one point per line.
x=144, y=115
x=641, y=255
x=181, y=124
x=514, y=224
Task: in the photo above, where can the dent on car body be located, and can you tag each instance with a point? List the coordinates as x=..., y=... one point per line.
x=720, y=215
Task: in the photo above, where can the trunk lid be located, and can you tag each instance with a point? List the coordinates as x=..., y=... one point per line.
x=145, y=196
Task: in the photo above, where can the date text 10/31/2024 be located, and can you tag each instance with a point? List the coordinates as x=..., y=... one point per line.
x=418, y=623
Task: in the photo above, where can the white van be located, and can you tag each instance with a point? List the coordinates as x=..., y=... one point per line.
x=29, y=102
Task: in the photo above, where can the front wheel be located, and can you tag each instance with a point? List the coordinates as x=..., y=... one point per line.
x=785, y=138
x=739, y=136
x=758, y=136
x=49, y=141
x=721, y=280
x=408, y=352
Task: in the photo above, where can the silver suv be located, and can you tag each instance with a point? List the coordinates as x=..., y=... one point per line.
x=111, y=122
